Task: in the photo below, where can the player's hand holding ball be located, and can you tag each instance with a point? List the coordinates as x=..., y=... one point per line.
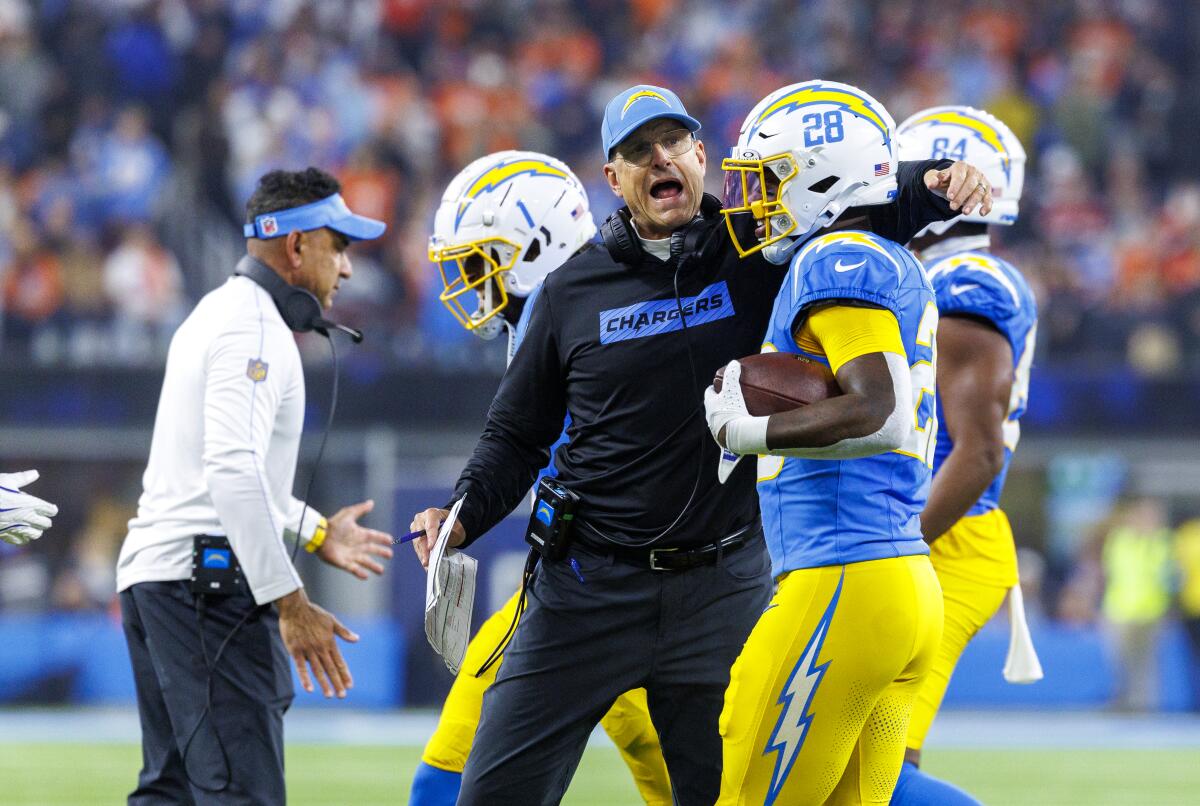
x=23, y=517
x=725, y=406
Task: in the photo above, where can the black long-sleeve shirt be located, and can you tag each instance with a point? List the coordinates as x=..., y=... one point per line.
x=604, y=343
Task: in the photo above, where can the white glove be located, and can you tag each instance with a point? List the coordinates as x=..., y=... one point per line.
x=726, y=409
x=23, y=517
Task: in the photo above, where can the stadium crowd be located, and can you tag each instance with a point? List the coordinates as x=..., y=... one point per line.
x=132, y=130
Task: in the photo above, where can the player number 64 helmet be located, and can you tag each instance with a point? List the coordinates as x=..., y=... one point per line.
x=805, y=153
x=504, y=223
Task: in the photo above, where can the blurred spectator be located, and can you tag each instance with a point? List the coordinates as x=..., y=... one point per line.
x=145, y=289
x=1187, y=556
x=132, y=168
x=32, y=285
x=1137, y=594
x=135, y=112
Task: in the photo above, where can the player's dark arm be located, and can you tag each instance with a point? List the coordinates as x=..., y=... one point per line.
x=866, y=401
x=974, y=382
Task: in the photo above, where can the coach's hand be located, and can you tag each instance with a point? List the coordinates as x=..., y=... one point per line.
x=964, y=186
x=308, y=633
x=351, y=547
x=431, y=522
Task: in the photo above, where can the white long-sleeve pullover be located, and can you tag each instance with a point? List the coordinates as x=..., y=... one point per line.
x=226, y=437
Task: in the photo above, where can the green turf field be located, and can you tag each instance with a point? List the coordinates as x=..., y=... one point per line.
x=80, y=774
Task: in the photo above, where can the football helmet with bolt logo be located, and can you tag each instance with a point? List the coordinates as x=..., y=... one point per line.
x=804, y=155
x=504, y=223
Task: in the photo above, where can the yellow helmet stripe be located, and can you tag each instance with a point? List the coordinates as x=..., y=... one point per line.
x=642, y=94
x=983, y=130
x=827, y=95
x=499, y=174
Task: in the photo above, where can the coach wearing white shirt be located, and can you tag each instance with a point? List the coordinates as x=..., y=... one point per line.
x=212, y=673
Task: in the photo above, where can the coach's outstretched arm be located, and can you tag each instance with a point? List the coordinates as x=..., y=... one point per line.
x=928, y=191
x=524, y=420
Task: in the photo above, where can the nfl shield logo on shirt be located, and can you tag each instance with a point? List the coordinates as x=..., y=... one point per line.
x=256, y=370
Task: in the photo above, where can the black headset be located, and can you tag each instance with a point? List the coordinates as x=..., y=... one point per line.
x=299, y=307
x=624, y=246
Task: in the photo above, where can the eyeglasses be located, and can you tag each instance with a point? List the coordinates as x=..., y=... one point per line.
x=676, y=143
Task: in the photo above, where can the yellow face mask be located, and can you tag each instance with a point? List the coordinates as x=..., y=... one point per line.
x=755, y=186
x=475, y=266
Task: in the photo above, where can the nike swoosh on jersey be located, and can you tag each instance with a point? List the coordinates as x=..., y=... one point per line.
x=840, y=267
x=962, y=289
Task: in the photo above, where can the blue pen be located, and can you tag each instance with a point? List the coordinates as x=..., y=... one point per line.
x=411, y=536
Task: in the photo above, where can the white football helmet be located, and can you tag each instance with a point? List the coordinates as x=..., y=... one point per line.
x=504, y=223
x=806, y=153
x=964, y=133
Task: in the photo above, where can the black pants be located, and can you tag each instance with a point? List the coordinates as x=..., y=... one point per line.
x=251, y=690
x=582, y=644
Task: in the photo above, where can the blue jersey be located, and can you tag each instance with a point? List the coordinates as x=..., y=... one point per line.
x=517, y=336
x=819, y=512
x=978, y=284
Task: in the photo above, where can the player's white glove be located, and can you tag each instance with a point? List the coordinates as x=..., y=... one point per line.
x=23, y=517
x=726, y=409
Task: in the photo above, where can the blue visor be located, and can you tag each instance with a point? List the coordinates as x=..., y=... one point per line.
x=330, y=212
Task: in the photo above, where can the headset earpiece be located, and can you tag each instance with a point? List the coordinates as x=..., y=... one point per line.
x=617, y=233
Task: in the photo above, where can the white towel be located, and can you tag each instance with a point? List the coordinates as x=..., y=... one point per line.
x=1021, y=665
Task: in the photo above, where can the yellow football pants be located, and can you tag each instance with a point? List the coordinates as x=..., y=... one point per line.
x=627, y=723
x=976, y=564
x=818, y=702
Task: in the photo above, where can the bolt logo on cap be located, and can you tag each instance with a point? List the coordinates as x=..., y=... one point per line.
x=638, y=96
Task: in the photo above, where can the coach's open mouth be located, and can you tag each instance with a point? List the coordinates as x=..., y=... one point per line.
x=666, y=189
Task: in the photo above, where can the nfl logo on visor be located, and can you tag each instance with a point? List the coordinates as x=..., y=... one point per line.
x=268, y=225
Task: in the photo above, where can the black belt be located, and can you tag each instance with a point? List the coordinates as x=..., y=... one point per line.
x=679, y=558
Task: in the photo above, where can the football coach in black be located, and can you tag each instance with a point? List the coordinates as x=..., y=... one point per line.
x=667, y=571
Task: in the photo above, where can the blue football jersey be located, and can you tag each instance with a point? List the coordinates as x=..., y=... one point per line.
x=979, y=284
x=517, y=336
x=819, y=512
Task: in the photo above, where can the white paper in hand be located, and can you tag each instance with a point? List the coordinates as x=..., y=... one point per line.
x=1021, y=665
x=449, y=596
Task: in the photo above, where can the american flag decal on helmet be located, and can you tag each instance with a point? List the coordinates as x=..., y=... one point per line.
x=882, y=168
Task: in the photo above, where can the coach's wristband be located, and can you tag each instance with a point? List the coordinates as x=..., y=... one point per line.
x=318, y=537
